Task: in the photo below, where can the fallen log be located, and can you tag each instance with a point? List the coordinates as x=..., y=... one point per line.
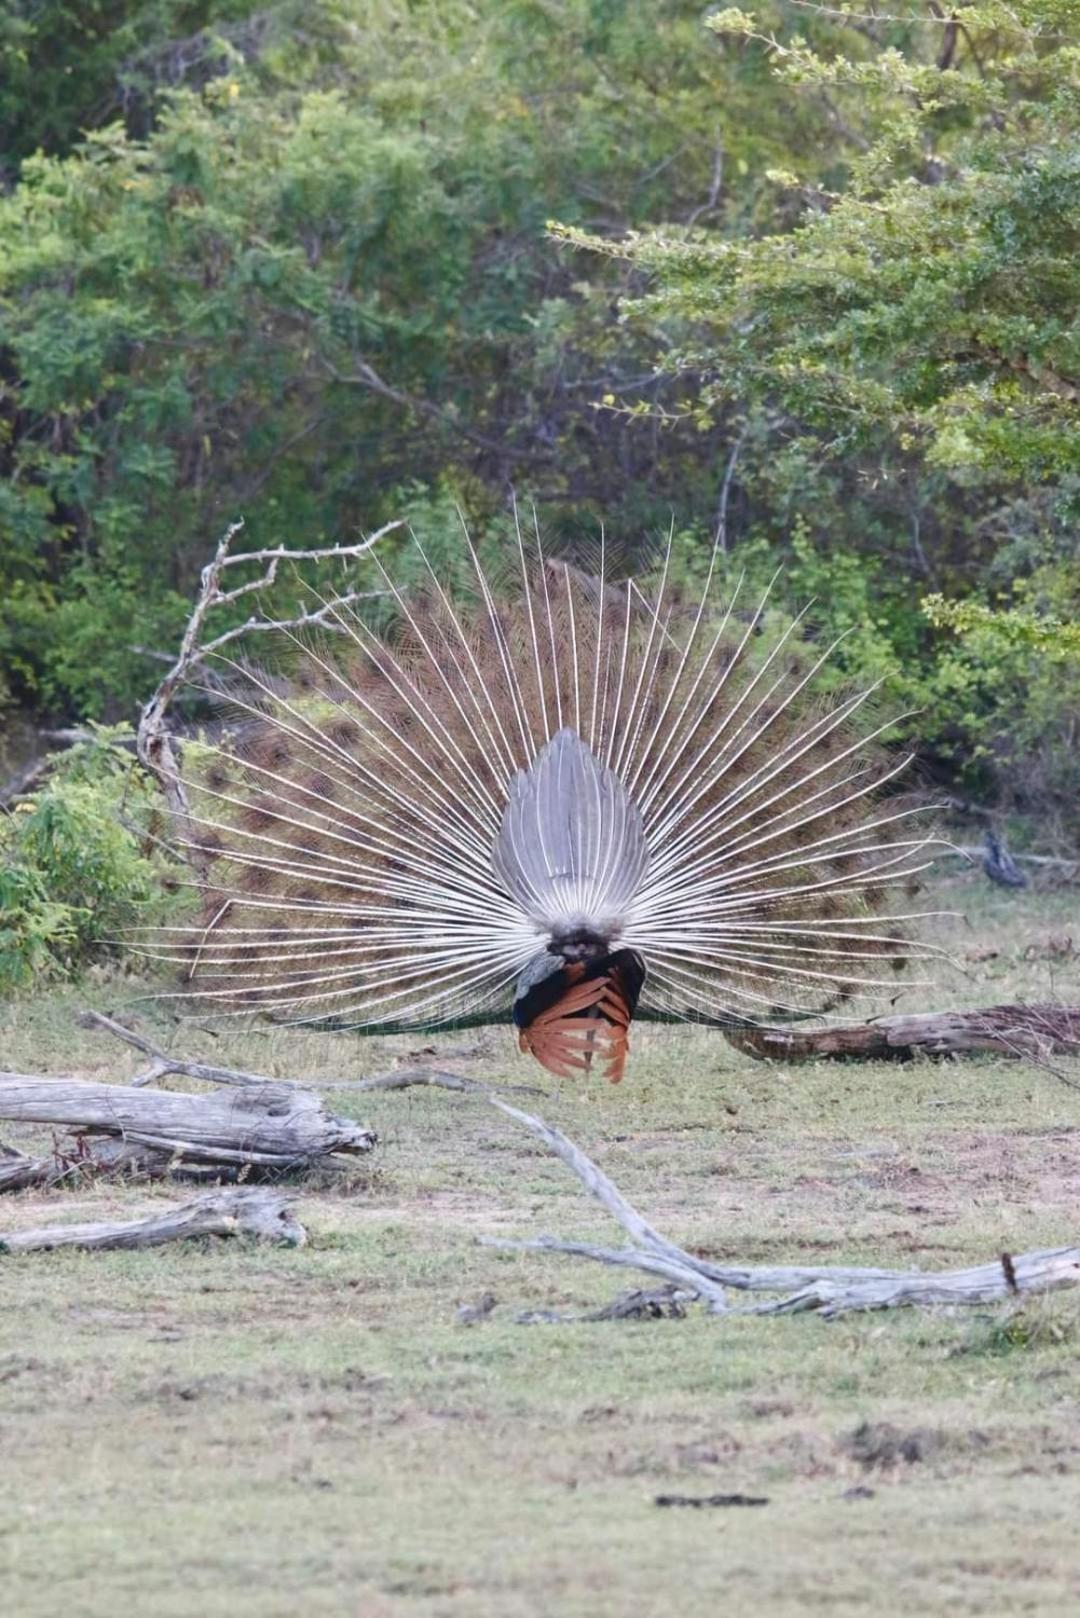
x=280, y=1126
x=76, y=1158
x=18, y=1171
x=1033, y=1031
x=250, y=1211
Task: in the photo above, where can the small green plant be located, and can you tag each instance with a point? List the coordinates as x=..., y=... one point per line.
x=36, y=932
x=78, y=863
x=1038, y=1323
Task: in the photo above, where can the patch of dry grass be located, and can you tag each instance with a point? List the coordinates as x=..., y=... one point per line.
x=245, y=1430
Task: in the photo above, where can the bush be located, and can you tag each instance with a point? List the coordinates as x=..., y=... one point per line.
x=79, y=864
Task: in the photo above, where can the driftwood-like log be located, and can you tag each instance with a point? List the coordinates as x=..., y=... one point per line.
x=1010, y=1276
x=1035, y=1031
x=251, y=1211
x=826, y=1289
x=272, y=1125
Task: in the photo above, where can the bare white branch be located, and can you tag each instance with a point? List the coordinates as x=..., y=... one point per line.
x=250, y=1211
x=155, y=745
x=829, y=1290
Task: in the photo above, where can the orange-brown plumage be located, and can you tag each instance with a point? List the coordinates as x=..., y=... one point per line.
x=589, y=1016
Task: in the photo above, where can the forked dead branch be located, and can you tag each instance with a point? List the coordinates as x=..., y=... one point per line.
x=827, y=1289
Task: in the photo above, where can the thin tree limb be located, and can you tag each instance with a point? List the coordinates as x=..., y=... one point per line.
x=828, y=1290
x=155, y=745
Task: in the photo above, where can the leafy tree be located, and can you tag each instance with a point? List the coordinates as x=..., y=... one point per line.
x=321, y=285
x=905, y=351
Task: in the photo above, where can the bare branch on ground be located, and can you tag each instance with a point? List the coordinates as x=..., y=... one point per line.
x=1023, y=1031
x=249, y=1211
x=828, y=1290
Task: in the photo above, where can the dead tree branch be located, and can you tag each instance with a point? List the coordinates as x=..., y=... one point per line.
x=432, y=1078
x=828, y=1290
x=163, y=1064
x=651, y=1251
x=155, y=744
x=249, y=1211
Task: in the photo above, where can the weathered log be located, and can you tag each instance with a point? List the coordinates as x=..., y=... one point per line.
x=74, y=1158
x=250, y=1211
x=1010, y=1276
x=1037, y=1031
x=17, y=1171
x=274, y=1125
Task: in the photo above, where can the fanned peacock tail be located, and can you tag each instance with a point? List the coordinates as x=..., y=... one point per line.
x=576, y=798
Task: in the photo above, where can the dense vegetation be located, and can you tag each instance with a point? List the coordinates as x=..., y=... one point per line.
x=809, y=274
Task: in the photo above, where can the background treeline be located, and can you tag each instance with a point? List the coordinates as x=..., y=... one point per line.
x=812, y=277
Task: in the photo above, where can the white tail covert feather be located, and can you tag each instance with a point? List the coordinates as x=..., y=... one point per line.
x=570, y=767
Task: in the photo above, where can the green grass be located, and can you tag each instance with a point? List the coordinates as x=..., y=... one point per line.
x=246, y=1430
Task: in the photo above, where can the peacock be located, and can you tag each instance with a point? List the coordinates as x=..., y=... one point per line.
x=574, y=797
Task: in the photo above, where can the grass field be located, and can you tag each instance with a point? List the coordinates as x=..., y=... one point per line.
x=229, y=1429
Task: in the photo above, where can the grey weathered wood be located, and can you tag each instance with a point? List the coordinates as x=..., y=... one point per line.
x=652, y=1251
x=407, y=1078
x=272, y=1124
x=250, y=1211
x=1038, y=1030
x=18, y=1171
x=1010, y=1276
x=163, y=1062
x=828, y=1290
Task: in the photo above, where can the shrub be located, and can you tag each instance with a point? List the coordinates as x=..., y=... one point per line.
x=79, y=863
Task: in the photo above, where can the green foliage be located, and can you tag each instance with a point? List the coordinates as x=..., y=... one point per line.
x=929, y=305
x=903, y=351
x=264, y=261
x=1004, y=695
x=69, y=65
x=77, y=864
x=36, y=932
x=320, y=278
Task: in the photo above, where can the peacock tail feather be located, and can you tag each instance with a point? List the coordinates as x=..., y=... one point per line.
x=565, y=773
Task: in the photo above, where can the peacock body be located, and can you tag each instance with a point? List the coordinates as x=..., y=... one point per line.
x=574, y=799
